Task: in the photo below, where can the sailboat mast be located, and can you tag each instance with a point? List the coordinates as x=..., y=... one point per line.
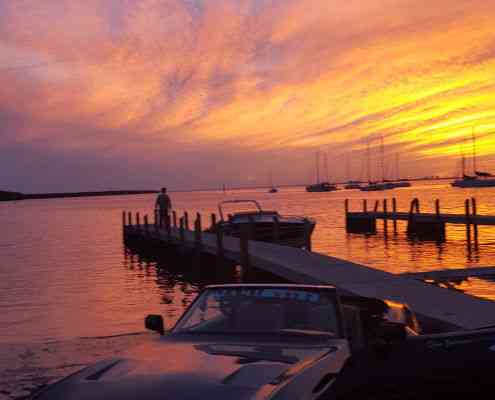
x=397, y=166
x=318, y=166
x=382, y=160
x=325, y=164
x=368, y=158
x=473, y=139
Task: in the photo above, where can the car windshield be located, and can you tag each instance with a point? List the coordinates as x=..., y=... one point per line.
x=285, y=311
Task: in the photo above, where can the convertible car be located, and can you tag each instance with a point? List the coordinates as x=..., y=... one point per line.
x=238, y=342
x=233, y=342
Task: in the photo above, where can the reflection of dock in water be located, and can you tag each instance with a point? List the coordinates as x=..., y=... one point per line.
x=440, y=308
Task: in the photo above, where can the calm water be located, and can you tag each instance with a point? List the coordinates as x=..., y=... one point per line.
x=65, y=275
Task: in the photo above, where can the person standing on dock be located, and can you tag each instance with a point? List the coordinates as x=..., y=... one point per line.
x=163, y=204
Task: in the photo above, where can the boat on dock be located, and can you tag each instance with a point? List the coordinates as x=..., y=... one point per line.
x=292, y=230
x=352, y=185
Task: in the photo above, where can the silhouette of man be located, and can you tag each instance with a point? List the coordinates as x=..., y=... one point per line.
x=163, y=204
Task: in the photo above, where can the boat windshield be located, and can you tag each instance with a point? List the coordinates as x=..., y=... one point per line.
x=262, y=310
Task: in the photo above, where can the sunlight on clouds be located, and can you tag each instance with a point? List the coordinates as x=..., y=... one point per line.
x=252, y=75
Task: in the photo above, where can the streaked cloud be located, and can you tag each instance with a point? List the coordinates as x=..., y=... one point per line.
x=186, y=84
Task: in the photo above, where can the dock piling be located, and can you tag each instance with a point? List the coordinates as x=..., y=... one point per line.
x=385, y=216
x=197, y=233
x=186, y=220
x=123, y=218
x=394, y=214
x=138, y=219
x=474, y=213
x=307, y=234
x=365, y=206
x=468, y=223
x=129, y=218
x=146, y=227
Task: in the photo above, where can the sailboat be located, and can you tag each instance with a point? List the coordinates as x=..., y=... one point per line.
x=480, y=179
x=371, y=186
x=350, y=184
x=272, y=189
x=321, y=186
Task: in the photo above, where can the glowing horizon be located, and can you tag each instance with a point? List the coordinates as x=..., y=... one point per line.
x=144, y=89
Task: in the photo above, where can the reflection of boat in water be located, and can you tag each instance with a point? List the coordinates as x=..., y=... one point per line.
x=480, y=179
x=291, y=228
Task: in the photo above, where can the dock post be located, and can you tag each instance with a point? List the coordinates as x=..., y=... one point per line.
x=307, y=234
x=468, y=224
x=385, y=216
x=213, y=220
x=129, y=218
x=219, y=233
x=276, y=230
x=138, y=219
x=123, y=219
x=244, y=247
x=346, y=206
x=146, y=227
x=365, y=206
x=475, y=225
x=410, y=220
x=181, y=231
x=197, y=233
x=377, y=203
x=186, y=220
x=174, y=218
x=394, y=214
x=437, y=208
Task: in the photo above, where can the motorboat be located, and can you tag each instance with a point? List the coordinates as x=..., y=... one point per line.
x=291, y=229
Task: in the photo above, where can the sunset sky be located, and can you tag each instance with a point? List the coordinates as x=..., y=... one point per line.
x=137, y=94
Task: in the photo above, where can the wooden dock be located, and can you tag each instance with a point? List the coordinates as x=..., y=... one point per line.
x=422, y=225
x=448, y=309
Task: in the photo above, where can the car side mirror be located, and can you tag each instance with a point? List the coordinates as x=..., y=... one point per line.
x=392, y=332
x=155, y=323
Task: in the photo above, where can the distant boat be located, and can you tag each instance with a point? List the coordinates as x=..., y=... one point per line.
x=352, y=185
x=321, y=186
x=374, y=187
x=272, y=189
x=480, y=179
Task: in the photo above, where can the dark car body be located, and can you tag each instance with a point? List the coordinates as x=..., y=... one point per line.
x=189, y=364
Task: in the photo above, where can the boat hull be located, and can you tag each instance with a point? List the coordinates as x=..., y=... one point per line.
x=290, y=233
x=474, y=183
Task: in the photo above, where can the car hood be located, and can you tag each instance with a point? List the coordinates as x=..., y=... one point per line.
x=168, y=369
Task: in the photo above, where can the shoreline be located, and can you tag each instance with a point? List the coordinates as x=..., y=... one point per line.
x=15, y=196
